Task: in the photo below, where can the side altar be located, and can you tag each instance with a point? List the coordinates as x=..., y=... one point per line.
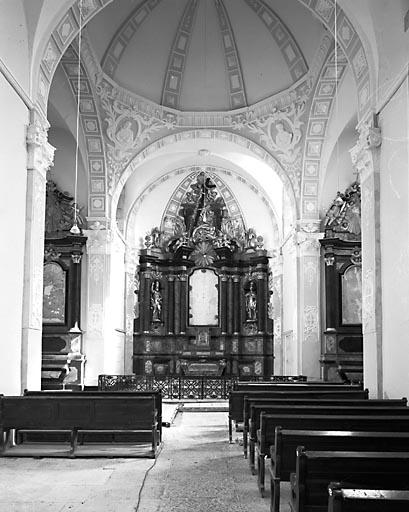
x=202, y=296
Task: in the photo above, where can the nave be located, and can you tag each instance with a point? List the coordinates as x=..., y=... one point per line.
x=197, y=469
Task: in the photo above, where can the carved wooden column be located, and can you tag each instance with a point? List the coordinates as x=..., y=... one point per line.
x=177, y=305
x=366, y=159
x=146, y=301
x=261, y=303
x=171, y=304
x=236, y=305
x=223, y=302
x=329, y=260
x=40, y=156
x=230, y=306
x=183, y=303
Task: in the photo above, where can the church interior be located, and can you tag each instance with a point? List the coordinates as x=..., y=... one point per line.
x=203, y=195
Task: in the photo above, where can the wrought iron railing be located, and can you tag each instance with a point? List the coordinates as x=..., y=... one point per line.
x=181, y=387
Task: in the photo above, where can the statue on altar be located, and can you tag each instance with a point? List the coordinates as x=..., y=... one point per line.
x=251, y=303
x=156, y=301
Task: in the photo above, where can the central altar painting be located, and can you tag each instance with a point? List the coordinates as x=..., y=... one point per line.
x=202, y=289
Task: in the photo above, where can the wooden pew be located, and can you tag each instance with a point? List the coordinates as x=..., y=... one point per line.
x=316, y=469
x=269, y=422
x=236, y=398
x=334, y=402
x=133, y=419
x=283, y=452
x=343, y=498
x=156, y=394
x=315, y=409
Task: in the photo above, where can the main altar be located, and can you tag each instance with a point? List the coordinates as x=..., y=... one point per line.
x=202, y=295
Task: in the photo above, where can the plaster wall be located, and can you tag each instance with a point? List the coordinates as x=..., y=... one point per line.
x=394, y=205
x=13, y=177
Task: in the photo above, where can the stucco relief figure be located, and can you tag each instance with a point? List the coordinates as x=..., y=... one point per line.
x=251, y=303
x=283, y=138
x=125, y=135
x=156, y=301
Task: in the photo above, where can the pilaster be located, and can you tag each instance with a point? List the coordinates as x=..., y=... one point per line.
x=309, y=347
x=105, y=332
x=366, y=159
x=40, y=155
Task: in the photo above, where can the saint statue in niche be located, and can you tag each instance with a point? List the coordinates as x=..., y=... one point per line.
x=251, y=303
x=125, y=135
x=283, y=138
x=156, y=301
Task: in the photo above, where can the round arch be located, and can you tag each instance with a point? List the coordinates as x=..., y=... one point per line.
x=247, y=149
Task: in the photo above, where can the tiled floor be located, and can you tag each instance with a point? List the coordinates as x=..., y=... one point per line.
x=197, y=470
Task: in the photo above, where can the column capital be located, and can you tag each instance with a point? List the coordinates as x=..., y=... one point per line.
x=370, y=138
x=308, y=243
x=40, y=153
x=99, y=240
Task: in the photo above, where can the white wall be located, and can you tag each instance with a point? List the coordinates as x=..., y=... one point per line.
x=13, y=178
x=394, y=176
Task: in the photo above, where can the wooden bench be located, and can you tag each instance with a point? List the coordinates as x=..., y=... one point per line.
x=315, y=409
x=67, y=419
x=334, y=402
x=156, y=394
x=283, y=452
x=236, y=398
x=316, y=469
x=345, y=499
x=269, y=422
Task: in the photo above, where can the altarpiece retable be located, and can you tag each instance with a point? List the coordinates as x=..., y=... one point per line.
x=202, y=294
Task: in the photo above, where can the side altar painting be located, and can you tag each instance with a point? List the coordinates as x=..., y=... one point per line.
x=62, y=358
x=202, y=294
x=341, y=354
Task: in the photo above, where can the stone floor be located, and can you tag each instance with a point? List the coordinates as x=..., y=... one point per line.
x=197, y=470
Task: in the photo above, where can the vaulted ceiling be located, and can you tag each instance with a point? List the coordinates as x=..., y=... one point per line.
x=205, y=54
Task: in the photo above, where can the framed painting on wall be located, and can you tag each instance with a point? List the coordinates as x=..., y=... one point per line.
x=54, y=294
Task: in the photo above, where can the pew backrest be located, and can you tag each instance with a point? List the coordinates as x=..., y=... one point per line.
x=236, y=398
x=316, y=469
x=283, y=451
x=269, y=422
x=303, y=410
x=78, y=412
x=334, y=402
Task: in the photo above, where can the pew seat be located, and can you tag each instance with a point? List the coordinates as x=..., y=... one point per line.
x=315, y=470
